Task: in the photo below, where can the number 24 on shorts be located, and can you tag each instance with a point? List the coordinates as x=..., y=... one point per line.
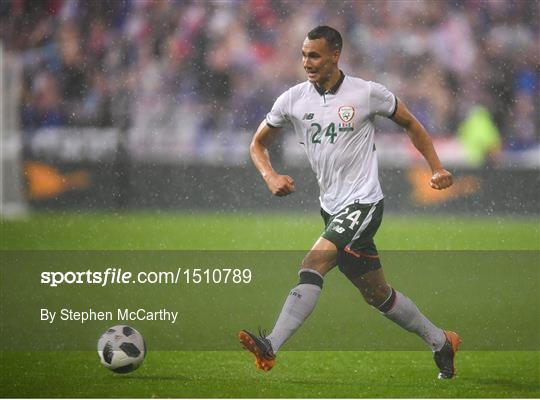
x=352, y=217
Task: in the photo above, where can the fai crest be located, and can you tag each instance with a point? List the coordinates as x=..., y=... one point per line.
x=346, y=113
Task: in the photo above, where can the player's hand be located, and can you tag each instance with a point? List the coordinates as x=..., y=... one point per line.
x=280, y=185
x=441, y=179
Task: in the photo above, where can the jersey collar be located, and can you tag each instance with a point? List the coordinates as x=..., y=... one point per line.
x=333, y=89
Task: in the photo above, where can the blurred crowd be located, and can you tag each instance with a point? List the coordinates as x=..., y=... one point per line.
x=123, y=63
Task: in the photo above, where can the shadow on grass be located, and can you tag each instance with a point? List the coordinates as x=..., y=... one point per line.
x=156, y=378
x=506, y=385
x=305, y=382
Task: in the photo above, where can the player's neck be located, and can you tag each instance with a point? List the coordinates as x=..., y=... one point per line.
x=331, y=81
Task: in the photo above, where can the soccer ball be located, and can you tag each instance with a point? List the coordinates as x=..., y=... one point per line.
x=121, y=349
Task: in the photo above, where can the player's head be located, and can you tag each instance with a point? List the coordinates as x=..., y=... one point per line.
x=320, y=53
x=332, y=36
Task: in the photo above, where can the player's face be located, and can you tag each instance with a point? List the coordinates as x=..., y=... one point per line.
x=319, y=60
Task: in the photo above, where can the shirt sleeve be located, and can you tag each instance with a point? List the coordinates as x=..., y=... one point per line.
x=278, y=116
x=381, y=101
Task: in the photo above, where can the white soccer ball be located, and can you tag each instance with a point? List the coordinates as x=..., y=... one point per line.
x=121, y=349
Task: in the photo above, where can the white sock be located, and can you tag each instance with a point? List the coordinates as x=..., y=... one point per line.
x=407, y=315
x=299, y=304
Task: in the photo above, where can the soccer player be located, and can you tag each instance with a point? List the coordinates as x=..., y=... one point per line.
x=332, y=115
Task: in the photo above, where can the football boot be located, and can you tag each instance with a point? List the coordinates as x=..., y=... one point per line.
x=444, y=358
x=260, y=347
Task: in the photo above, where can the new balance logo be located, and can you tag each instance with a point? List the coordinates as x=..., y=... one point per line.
x=338, y=229
x=308, y=116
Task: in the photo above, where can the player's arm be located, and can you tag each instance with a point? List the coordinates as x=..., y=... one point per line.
x=441, y=178
x=279, y=185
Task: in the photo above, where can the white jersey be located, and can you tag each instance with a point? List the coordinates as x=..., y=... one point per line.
x=336, y=129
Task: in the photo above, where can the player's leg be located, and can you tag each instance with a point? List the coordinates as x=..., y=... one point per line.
x=359, y=261
x=303, y=297
x=397, y=307
x=400, y=309
x=297, y=307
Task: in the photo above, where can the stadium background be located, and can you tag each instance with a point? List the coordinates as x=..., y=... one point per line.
x=151, y=104
x=126, y=124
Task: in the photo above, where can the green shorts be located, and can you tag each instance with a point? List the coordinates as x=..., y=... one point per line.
x=352, y=230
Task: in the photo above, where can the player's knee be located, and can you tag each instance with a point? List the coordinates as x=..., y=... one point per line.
x=310, y=277
x=376, y=295
x=319, y=261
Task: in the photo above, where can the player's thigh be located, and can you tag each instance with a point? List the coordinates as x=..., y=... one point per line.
x=352, y=231
x=322, y=257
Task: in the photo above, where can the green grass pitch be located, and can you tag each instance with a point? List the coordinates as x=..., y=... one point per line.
x=320, y=374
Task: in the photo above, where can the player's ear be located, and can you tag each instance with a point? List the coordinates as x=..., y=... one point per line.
x=336, y=55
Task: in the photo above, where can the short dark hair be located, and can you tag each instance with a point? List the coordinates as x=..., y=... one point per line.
x=332, y=36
